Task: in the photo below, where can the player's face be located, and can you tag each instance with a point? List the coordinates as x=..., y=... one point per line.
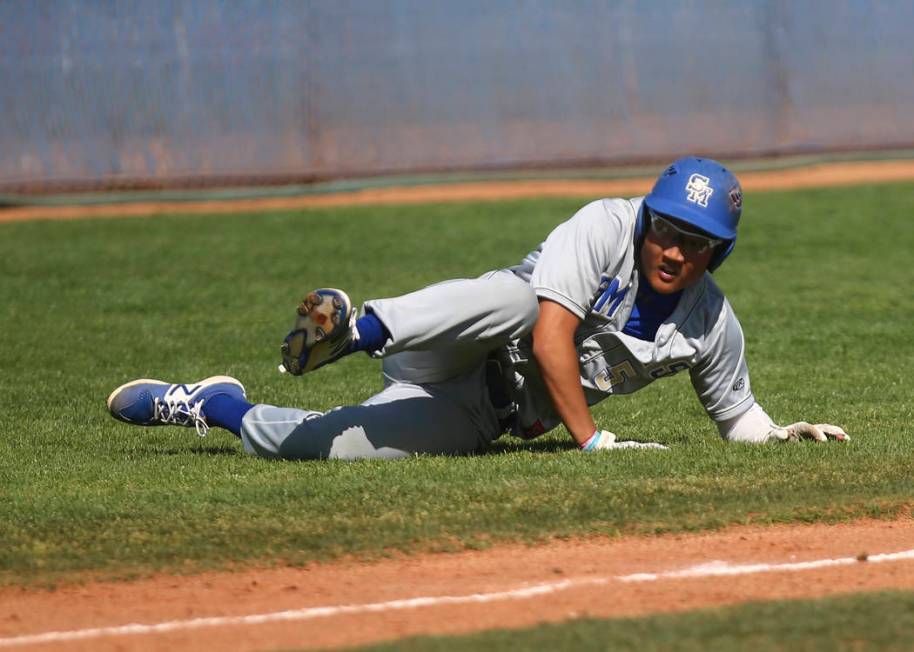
x=673, y=259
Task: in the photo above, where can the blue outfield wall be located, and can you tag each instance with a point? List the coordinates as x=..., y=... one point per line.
x=96, y=91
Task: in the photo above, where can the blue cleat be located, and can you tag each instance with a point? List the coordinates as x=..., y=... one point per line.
x=147, y=402
x=323, y=332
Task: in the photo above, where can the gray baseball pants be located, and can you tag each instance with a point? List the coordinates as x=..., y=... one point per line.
x=435, y=398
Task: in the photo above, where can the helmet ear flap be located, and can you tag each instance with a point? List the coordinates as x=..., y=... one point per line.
x=642, y=224
x=720, y=253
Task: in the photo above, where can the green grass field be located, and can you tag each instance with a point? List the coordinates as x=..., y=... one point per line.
x=878, y=621
x=821, y=280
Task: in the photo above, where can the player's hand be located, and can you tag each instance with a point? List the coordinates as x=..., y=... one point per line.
x=820, y=432
x=605, y=440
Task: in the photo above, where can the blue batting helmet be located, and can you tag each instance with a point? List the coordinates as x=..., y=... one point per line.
x=703, y=193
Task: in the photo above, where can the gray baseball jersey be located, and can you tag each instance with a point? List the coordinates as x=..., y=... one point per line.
x=588, y=265
x=438, y=396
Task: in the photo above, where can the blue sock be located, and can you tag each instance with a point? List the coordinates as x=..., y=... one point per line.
x=226, y=411
x=373, y=335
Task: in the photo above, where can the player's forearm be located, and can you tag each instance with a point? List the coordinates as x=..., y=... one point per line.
x=558, y=363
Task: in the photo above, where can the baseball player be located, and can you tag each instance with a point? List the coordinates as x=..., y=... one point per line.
x=618, y=296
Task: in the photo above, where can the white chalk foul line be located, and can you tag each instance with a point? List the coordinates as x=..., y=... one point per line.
x=300, y=614
x=717, y=568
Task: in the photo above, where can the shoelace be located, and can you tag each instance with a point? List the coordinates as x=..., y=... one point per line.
x=181, y=413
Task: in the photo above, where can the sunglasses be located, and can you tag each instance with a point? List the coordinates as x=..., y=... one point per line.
x=690, y=243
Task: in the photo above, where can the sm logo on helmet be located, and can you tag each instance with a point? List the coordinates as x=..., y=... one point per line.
x=699, y=190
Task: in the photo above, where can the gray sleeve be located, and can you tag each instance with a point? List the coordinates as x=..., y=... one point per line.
x=721, y=379
x=753, y=426
x=575, y=256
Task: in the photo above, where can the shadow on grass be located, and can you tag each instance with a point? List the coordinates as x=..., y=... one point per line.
x=504, y=446
x=210, y=451
x=507, y=445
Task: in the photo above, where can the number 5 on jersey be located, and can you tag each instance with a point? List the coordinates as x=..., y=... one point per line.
x=615, y=375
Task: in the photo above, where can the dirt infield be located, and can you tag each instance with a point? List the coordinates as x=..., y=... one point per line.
x=349, y=603
x=813, y=176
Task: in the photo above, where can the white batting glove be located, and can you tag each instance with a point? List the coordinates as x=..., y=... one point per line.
x=605, y=440
x=819, y=432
